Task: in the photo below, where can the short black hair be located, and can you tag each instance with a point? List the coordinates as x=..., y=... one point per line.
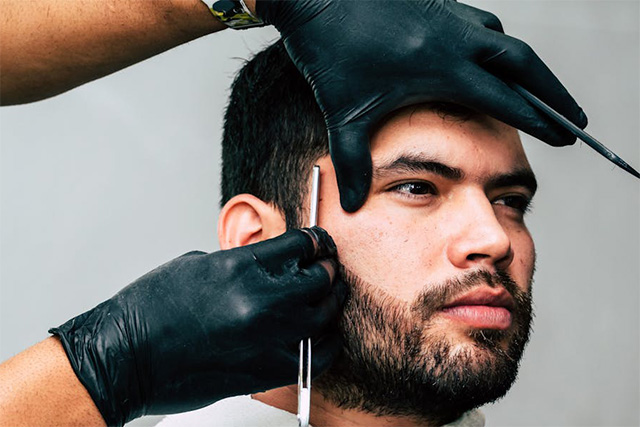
x=273, y=134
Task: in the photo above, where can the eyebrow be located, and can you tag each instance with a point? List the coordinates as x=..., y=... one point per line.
x=523, y=177
x=411, y=163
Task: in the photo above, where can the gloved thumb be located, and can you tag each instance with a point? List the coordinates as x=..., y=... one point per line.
x=349, y=147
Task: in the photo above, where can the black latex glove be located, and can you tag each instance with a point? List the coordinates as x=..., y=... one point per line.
x=207, y=326
x=365, y=59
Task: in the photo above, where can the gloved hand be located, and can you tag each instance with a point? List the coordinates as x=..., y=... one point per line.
x=207, y=326
x=366, y=59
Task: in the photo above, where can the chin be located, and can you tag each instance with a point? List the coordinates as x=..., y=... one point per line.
x=480, y=341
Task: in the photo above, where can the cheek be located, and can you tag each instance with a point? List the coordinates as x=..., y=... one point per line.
x=524, y=257
x=386, y=250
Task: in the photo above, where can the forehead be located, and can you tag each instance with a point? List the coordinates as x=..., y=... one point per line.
x=477, y=145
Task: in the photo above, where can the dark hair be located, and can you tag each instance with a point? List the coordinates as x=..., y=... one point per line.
x=273, y=134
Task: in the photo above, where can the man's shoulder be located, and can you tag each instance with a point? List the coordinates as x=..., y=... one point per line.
x=242, y=411
x=239, y=411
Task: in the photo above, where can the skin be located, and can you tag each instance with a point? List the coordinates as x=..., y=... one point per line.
x=50, y=46
x=466, y=226
x=44, y=54
x=38, y=387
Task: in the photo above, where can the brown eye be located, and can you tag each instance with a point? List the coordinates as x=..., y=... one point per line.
x=517, y=202
x=415, y=188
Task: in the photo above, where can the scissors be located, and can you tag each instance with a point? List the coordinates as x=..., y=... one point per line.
x=304, y=365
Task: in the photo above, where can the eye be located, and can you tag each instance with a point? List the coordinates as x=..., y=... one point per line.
x=414, y=188
x=518, y=202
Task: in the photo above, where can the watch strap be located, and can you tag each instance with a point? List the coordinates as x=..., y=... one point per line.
x=235, y=14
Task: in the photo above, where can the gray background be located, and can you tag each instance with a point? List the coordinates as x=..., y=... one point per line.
x=106, y=182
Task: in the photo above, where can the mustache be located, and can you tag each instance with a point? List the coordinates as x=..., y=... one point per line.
x=435, y=296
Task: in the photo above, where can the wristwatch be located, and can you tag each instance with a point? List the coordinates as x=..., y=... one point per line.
x=235, y=14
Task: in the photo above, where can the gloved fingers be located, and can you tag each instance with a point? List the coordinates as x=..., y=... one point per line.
x=324, y=351
x=315, y=280
x=482, y=17
x=323, y=243
x=323, y=314
x=275, y=367
x=512, y=59
x=300, y=245
x=490, y=95
x=349, y=146
x=285, y=16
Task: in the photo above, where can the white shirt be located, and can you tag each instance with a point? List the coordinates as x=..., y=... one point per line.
x=243, y=411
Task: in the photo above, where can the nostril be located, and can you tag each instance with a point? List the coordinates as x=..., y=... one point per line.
x=506, y=259
x=476, y=257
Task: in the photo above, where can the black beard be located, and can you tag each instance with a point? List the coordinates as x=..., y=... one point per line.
x=394, y=365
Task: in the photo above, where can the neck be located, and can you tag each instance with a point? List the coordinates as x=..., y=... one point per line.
x=325, y=413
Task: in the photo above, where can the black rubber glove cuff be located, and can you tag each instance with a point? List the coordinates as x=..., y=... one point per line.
x=87, y=342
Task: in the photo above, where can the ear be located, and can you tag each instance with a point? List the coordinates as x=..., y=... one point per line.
x=245, y=219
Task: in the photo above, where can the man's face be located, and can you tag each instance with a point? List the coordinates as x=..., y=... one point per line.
x=440, y=264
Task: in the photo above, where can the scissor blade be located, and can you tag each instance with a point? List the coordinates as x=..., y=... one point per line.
x=304, y=364
x=304, y=383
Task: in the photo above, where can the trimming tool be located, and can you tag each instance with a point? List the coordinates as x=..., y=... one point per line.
x=565, y=123
x=304, y=366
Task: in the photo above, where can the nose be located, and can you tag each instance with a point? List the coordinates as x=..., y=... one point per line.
x=478, y=239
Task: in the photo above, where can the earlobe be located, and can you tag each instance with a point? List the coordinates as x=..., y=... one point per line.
x=245, y=219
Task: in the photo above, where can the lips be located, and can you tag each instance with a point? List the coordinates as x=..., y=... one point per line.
x=482, y=308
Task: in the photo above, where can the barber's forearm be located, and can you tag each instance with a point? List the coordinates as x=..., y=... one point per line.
x=39, y=388
x=51, y=46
